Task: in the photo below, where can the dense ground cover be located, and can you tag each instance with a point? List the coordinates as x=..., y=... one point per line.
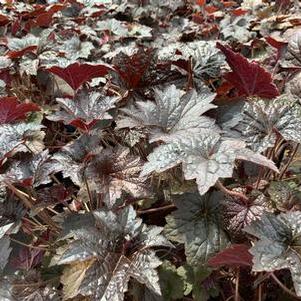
x=149, y=150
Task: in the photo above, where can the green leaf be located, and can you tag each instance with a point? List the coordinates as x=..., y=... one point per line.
x=196, y=223
x=193, y=278
x=172, y=284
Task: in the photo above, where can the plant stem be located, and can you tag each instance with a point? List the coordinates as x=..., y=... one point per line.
x=26, y=201
x=28, y=246
x=237, y=286
x=153, y=210
x=283, y=171
x=89, y=192
x=231, y=192
x=287, y=290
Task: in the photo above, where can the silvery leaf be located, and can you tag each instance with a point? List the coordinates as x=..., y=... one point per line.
x=173, y=114
x=279, y=244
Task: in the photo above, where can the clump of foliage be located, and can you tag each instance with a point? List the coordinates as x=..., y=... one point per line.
x=149, y=150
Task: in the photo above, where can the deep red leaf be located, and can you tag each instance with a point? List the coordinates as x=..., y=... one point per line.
x=5, y=76
x=76, y=74
x=27, y=258
x=235, y=255
x=3, y=20
x=78, y=123
x=239, y=12
x=279, y=45
x=19, y=53
x=11, y=110
x=274, y=43
x=248, y=77
x=133, y=68
x=44, y=19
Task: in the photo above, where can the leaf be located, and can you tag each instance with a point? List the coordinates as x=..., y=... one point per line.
x=196, y=223
x=11, y=212
x=19, y=47
x=237, y=29
x=105, y=255
x=20, y=287
x=11, y=110
x=205, y=158
x=72, y=278
x=172, y=285
x=74, y=49
x=115, y=170
x=238, y=213
x=206, y=59
x=235, y=255
x=261, y=121
x=12, y=135
x=32, y=170
x=173, y=114
x=194, y=277
x=248, y=77
x=27, y=258
x=292, y=56
x=5, y=250
x=76, y=74
x=122, y=29
x=278, y=245
x=115, y=26
x=284, y=195
x=139, y=69
x=71, y=159
x=50, y=196
x=85, y=109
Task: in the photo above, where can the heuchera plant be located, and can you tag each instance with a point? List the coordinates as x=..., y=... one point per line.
x=149, y=150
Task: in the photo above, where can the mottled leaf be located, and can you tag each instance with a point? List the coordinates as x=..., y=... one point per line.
x=236, y=29
x=71, y=159
x=284, y=195
x=20, y=46
x=115, y=170
x=174, y=113
x=205, y=58
x=85, y=109
x=12, y=135
x=5, y=250
x=205, y=158
x=261, y=121
x=279, y=244
x=292, y=56
x=106, y=255
x=238, y=213
x=32, y=170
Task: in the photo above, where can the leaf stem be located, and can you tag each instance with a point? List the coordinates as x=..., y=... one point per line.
x=283, y=171
x=237, y=298
x=236, y=194
x=26, y=201
x=153, y=210
x=287, y=290
x=28, y=246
